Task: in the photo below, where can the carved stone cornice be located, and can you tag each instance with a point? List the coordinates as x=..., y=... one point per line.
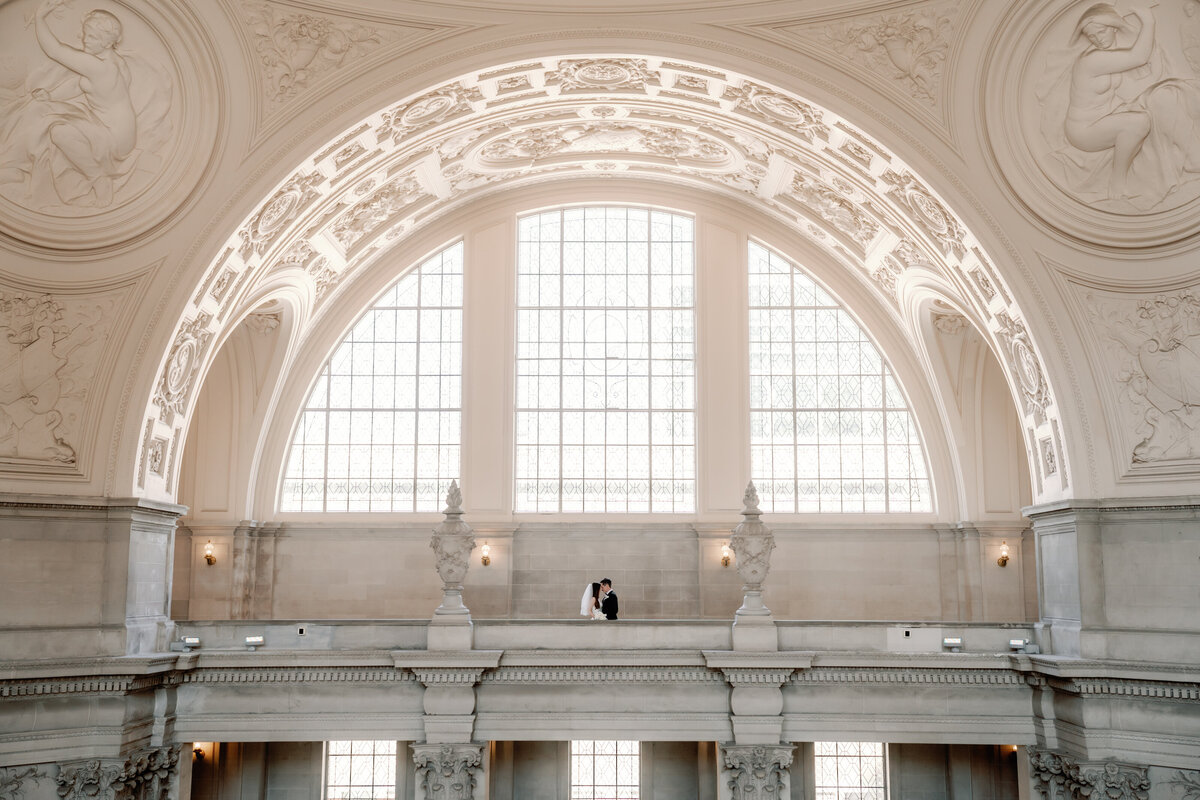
x=298, y=675
x=1059, y=777
x=752, y=676
x=927, y=677
x=590, y=675
x=448, y=676
x=90, y=684
x=756, y=771
x=448, y=771
x=1117, y=687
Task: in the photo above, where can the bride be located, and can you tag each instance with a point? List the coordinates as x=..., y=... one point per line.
x=589, y=606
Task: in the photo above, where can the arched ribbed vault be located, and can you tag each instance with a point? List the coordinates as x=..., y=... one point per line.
x=560, y=118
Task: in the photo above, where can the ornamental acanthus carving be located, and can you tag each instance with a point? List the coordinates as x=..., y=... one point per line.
x=175, y=383
x=448, y=771
x=602, y=74
x=1024, y=363
x=1154, y=347
x=149, y=774
x=752, y=543
x=452, y=544
x=927, y=213
x=365, y=217
x=835, y=208
x=1058, y=777
x=910, y=47
x=50, y=347
x=12, y=781
x=757, y=772
x=295, y=49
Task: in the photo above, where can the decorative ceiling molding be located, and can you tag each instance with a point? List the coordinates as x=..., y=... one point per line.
x=639, y=117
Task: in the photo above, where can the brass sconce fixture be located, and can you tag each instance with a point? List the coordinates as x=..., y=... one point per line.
x=486, y=558
x=208, y=553
x=198, y=752
x=726, y=555
x=1003, y=559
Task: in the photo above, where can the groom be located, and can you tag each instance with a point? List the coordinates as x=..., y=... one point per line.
x=608, y=603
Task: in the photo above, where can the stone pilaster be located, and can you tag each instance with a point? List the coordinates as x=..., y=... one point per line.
x=756, y=772
x=448, y=771
x=1060, y=777
x=752, y=543
x=452, y=543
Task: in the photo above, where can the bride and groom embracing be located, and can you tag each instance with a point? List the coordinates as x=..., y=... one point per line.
x=599, y=601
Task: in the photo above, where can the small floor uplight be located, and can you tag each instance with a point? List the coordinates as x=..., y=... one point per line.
x=953, y=644
x=186, y=644
x=255, y=642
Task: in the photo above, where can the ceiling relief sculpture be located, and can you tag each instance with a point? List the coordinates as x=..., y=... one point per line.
x=95, y=102
x=636, y=117
x=50, y=349
x=905, y=52
x=1103, y=120
x=1150, y=348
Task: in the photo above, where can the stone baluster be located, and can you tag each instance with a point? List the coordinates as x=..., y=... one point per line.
x=448, y=771
x=452, y=543
x=752, y=543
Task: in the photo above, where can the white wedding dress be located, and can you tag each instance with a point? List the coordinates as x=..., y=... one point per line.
x=585, y=605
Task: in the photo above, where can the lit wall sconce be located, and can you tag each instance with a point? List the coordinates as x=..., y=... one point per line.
x=953, y=644
x=486, y=558
x=198, y=752
x=1003, y=559
x=254, y=642
x=208, y=553
x=726, y=555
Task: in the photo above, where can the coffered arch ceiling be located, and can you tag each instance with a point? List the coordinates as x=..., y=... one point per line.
x=634, y=116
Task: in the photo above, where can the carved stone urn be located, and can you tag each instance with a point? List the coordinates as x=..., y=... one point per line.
x=452, y=544
x=752, y=543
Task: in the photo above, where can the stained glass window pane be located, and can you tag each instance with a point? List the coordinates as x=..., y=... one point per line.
x=830, y=429
x=605, y=770
x=381, y=428
x=850, y=770
x=360, y=770
x=605, y=418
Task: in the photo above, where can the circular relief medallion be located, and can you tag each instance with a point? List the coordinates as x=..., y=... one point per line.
x=930, y=210
x=276, y=212
x=1027, y=367
x=776, y=107
x=603, y=73
x=179, y=370
x=1094, y=117
x=83, y=167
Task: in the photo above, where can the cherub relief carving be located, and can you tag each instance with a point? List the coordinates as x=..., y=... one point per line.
x=1158, y=365
x=86, y=126
x=1121, y=120
x=911, y=47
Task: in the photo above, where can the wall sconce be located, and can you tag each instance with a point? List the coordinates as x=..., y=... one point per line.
x=1003, y=559
x=486, y=558
x=198, y=752
x=726, y=555
x=208, y=553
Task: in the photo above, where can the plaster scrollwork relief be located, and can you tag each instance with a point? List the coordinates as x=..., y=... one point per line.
x=12, y=781
x=1025, y=366
x=949, y=324
x=50, y=347
x=365, y=217
x=183, y=363
x=611, y=74
x=448, y=771
x=264, y=323
x=1152, y=345
x=835, y=208
x=910, y=47
x=758, y=101
x=1059, y=777
x=438, y=106
x=295, y=49
x=278, y=212
x=930, y=215
x=754, y=772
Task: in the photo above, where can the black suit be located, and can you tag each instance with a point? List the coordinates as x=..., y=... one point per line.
x=609, y=607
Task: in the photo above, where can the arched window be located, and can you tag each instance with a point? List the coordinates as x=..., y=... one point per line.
x=605, y=362
x=382, y=425
x=830, y=429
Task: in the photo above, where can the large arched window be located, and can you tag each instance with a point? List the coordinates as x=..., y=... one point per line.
x=830, y=429
x=382, y=425
x=605, y=362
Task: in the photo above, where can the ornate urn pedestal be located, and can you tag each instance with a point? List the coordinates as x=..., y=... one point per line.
x=452, y=543
x=752, y=543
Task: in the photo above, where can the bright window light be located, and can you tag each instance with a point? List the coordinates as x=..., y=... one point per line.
x=360, y=770
x=605, y=770
x=850, y=771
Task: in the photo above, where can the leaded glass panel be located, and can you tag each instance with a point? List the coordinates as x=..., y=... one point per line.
x=381, y=428
x=360, y=770
x=605, y=770
x=830, y=429
x=605, y=362
x=849, y=771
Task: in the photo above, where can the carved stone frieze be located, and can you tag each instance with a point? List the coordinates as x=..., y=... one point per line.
x=1059, y=777
x=365, y=217
x=12, y=781
x=183, y=363
x=89, y=780
x=770, y=106
x=50, y=347
x=910, y=47
x=753, y=772
x=149, y=774
x=295, y=49
x=441, y=105
x=1152, y=346
x=448, y=771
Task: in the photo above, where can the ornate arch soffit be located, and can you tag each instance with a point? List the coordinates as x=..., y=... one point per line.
x=555, y=118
